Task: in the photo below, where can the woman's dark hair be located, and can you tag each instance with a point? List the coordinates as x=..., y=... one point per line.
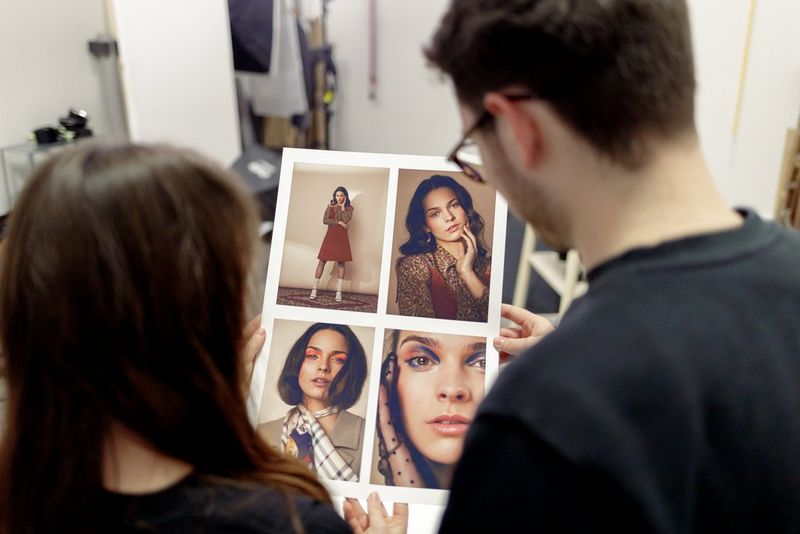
x=345, y=389
x=390, y=373
x=124, y=272
x=420, y=240
x=346, y=196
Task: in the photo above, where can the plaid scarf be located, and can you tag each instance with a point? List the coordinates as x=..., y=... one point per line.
x=327, y=460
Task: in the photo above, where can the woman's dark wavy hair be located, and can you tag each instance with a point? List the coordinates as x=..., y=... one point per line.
x=346, y=195
x=124, y=272
x=390, y=373
x=420, y=240
x=345, y=389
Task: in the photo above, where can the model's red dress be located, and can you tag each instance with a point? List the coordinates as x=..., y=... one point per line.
x=336, y=245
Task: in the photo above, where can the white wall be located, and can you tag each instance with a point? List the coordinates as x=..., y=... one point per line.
x=746, y=166
x=46, y=66
x=177, y=69
x=415, y=112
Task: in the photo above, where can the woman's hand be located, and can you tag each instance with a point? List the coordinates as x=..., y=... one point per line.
x=529, y=330
x=254, y=337
x=343, y=225
x=376, y=520
x=466, y=263
x=404, y=472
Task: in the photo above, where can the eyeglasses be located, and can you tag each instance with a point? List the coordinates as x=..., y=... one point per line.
x=469, y=169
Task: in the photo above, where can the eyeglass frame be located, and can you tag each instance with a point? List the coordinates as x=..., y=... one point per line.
x=468, y=170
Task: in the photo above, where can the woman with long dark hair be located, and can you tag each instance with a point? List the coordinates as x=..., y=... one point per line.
x=124, y=272
x=431, y=385
x=445, y=268
x=323, y=376
x=336, y=245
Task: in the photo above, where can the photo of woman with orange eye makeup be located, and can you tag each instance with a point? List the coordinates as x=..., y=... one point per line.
x=431, y=385
x=323, y=375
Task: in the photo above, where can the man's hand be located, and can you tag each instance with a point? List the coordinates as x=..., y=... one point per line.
x=529, y=330
x=254, y=337
x=376, y=520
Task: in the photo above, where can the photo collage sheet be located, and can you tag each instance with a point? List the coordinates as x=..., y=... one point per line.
x=382, y=297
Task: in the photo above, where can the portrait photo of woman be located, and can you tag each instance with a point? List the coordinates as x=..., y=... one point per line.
x=320, y=379
x=335, y=246
x=331, y=253
x=443, y=264
x=431, y=385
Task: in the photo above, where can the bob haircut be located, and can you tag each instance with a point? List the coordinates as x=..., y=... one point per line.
x=124, y=272
x=345, y=389
x=420, y=240
x=346, y=196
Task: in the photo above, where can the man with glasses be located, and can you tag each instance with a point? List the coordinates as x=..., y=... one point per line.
x=668, y=399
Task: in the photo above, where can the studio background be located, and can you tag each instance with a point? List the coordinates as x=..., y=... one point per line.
x=284, y=334
x=312, y=190
x=483, y=200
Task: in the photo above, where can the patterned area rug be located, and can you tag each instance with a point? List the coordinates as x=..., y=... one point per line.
x=360, y=302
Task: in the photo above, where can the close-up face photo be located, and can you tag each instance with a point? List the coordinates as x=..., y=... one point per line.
x=325, y=355
x=440, y=382
x=445, y=217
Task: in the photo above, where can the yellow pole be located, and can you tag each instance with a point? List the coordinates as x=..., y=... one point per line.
x=745, y=64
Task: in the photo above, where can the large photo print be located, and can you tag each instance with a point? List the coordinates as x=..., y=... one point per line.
x=382, y=289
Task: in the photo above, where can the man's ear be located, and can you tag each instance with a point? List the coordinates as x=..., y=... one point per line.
x=523, y=125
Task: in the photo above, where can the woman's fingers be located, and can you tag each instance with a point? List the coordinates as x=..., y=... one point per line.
x=470, y=238
x=376, y=510
x=251, y=327
x=375, y=520
x=254, y=336
x=400, y=514
x=355, y=515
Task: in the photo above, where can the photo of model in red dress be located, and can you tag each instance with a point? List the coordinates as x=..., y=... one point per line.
x=335, y=245
x=331, y=255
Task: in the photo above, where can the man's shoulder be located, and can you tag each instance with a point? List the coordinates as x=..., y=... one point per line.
x=592, y=370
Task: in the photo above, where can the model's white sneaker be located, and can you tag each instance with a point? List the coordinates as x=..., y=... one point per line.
x=338, y=296
x=313, y=295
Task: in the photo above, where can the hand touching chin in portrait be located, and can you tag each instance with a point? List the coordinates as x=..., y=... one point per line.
x=446, y=267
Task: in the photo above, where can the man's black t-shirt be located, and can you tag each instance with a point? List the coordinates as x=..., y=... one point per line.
x=199, y=505
x=668, y=400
